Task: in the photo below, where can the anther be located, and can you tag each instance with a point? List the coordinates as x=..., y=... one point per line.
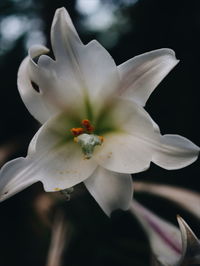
x=85, y=122
x=87, y=125
x=85, y=137
x=77, y=131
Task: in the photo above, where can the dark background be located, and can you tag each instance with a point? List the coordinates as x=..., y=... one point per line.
x=126, y=28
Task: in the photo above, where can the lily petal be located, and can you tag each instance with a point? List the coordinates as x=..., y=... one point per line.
x=77, y=72
x=12, y=178
x=64, y=37
x=187, y=199
x=165, y=238
x=175, y=152
x=64, y=168
x=130, y=149
x=142, y=74
x=133, y=119
x=111, y=190
x=32, y=99
x=123, y=153
x=32, y=144
x=101, y=78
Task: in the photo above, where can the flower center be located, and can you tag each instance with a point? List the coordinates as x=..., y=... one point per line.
x=85, y=138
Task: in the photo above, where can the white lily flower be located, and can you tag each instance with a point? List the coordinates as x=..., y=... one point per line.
x=95, y=128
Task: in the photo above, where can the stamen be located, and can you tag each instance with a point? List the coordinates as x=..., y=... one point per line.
x=77, y=131
x=87, y=125
x=85, y=122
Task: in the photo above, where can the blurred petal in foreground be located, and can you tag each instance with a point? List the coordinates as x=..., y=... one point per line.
x=61, y=234
x=185, y=198
x=170, y=246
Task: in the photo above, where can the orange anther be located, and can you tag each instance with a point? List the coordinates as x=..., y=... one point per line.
x=77, y=131
x=85, y=122
x=87, y=125
x=90, y=129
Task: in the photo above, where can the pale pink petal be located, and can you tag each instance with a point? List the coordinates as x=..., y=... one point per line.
x=164, y=237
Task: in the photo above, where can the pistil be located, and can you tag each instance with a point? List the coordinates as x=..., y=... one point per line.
x=86, y=139
x=88, y=143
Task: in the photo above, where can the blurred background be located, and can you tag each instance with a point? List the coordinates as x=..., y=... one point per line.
x=125, y=28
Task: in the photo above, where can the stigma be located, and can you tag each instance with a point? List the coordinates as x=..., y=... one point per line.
x=86, y=138
x=88, y=143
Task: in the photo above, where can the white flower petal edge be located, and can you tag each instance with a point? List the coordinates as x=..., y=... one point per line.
x=175, y=152
x=111, y=190
x=31, y=98
x=141, y=74
x=13, y=180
